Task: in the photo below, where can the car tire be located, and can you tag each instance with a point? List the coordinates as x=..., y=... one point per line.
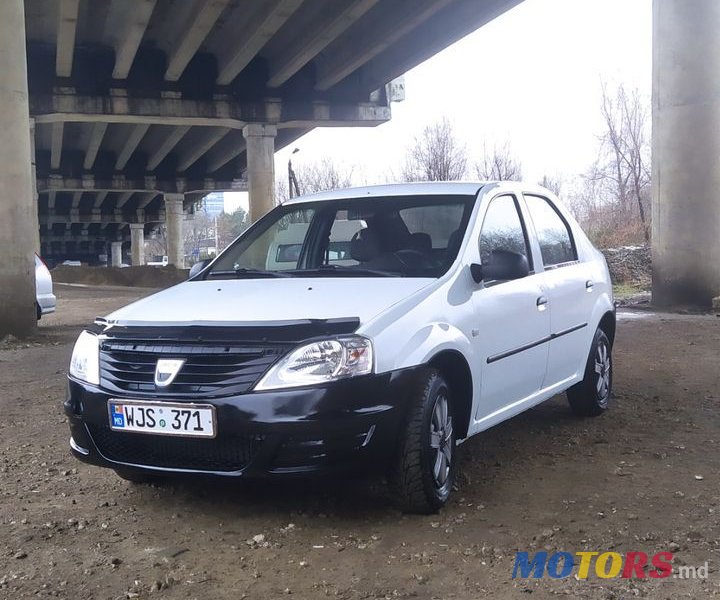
x=137, y=477
x=38, y=311
x=425, y=464
x=591, y=396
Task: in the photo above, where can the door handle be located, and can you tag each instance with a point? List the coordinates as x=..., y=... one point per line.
x=541, y=303
x=589, y=284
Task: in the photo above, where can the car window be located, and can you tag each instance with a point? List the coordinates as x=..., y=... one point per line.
x=438, y=222
x=502, y=229
x=556, y=241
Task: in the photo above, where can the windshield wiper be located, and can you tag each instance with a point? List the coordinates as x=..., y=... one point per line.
x=346, y=270
x=243, y=271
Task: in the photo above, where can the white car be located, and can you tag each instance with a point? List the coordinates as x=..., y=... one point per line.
x=449, y=308
x=158, y=261
x=44, y=297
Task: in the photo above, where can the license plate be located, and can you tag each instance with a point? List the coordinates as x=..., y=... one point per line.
x=162, y=418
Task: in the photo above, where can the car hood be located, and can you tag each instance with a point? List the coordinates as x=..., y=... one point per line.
x=256, y=301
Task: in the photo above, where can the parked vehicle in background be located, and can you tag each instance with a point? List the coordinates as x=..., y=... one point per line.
x=71, y=263
x=376, y=326
x=44, y=297
x=158, y=261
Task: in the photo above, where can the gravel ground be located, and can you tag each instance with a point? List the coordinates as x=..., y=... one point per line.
x=643, y=477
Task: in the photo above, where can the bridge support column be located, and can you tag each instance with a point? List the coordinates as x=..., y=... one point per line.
x=115, y=254
x=686, y=152
x=137, y=244
x=174, y=229
x=18, y=224
x=260, y=140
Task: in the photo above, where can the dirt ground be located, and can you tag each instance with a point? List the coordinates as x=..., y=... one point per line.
x=644, y=477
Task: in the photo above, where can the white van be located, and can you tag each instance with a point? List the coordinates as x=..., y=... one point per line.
x=373, y=327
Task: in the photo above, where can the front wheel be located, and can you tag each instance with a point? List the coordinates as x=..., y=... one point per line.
x=426, y=456
x=591, y=396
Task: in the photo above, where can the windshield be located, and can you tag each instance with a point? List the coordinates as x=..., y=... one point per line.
x=393, y=236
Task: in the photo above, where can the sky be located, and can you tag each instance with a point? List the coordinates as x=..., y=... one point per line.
x=530, y=79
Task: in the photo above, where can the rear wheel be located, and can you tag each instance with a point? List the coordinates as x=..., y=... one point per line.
x=591, y=396
x=426, y=457
x=38, y=311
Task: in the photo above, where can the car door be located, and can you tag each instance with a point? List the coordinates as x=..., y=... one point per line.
x=570, y=292
x=512, y=323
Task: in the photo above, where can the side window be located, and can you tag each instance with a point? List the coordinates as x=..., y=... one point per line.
x=502, y=229
x=556, y=241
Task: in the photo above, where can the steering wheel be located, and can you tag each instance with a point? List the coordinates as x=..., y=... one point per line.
x=411, y=258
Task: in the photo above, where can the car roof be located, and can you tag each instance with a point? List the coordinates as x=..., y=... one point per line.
x=430, y=188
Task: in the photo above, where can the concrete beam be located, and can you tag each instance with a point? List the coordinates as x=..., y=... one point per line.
x=172, y=139
x=228, y=148
x=454, y=22
x=146, y=199
x=127, y=22
x=77, y=196
x=119, y=218
x=380, y=31
x=96, y=138
x=191, y=155
x=99, y=198
x=89, y=183
x=197, y=28
x=123, y=200
x=308, y=45
x=71, y=108
x=255, y=33
x=65, y=47
x=134, y=139
x=56, y=144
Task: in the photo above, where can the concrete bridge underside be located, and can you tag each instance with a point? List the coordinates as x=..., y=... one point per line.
x=118, y=115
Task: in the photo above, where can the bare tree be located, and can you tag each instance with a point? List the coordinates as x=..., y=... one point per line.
x=318, y=176
x=623, y=166
x=554, y=184
x=498, y=165
x=435, y=155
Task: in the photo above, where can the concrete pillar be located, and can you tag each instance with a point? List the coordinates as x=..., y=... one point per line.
x=686, y=152
x=18, y=224
x=260, y=168
x=137, y=244
x=115, y=254
x=36, y=212
x=174, y=229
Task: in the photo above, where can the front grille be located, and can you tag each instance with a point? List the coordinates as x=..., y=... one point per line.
x=225, y=453
x=210, y=370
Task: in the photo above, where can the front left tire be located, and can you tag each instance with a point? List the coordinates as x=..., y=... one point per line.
x=425, y=463
x=591, y=397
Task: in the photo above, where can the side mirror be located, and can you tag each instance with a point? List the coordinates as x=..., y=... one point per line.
x=197, y=267
x=503, y=265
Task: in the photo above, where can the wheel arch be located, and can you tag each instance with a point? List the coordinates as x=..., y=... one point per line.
x=608, y=323
x=456, y=372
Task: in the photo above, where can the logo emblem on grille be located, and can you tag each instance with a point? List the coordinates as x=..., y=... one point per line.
x=166, y=370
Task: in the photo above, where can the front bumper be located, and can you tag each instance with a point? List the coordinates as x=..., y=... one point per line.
x=338, y=426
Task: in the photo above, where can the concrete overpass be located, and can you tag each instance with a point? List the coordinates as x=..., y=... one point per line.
x=119, y=114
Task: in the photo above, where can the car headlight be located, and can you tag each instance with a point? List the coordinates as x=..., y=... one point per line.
x=320, y=362
x=85, y=361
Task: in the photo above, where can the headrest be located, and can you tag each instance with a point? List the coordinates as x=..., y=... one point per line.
x=365, y=245
x=421, y=242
